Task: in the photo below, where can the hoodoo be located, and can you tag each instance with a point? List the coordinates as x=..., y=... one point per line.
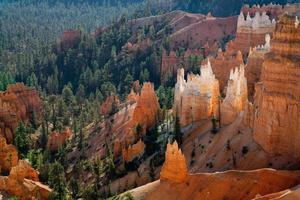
x=197, y=98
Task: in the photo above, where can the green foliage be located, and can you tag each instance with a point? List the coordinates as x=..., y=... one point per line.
x=6, y=78
x=22, y=139
x=57, y=181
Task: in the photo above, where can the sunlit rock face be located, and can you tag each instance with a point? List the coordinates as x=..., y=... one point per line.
x=22, y=180
x=133, y=151
x=277, y=96
x=251, y=31
x=174, y=168
x=254, y=65
x=223, y=64
x=236, y=98
x=18, y=103
x=197, y=98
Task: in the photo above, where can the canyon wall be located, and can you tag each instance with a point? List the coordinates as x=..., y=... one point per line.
x=196, y=98
x=277, y=96
x=18, y=103
x=254, y=65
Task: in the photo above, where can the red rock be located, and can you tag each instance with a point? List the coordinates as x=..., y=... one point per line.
x=133, y=151
x=276, y=124
x=174, y=168
x=233, y=185
x=109, y=103
x=223, y=64
x=23, y=183
x=57, y=140
x=8, y=156
x=18, y=103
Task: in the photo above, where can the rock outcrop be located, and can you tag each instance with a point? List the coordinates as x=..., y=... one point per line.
x=197, y=98
x=110, y=105
x=233, y=185
x=254, y=65
x=133, y=151
x=57, y=140
x=23, y=182
x=251, y=31
x=223, y=63
x=18, y=103
x=174, y=168
x=277, y=97
x=236, y=99
x=171, y=62
x=8, y=156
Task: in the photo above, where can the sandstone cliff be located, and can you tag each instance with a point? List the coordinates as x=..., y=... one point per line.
x=223, y=64
x=277, y=96
x=57, y=140
x=254, y=65
x=22, y=180
x=18, y=103
x=197, y=98
x=251, y=31
x=133, y=151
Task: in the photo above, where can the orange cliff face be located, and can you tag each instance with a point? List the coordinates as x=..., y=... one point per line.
x=57, y=140
x=251, y=31
x=22, y=181
x=18, y=103
x=236, y=99
x=174, y=168
x=197, y=98
x=254, y=65
x=276, y=125
x=223, y=63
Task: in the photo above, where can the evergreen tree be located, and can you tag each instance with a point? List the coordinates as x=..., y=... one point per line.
x=57, y=181
x=22, y=139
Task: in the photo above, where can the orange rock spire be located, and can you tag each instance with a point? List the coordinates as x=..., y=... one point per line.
x=174, y=168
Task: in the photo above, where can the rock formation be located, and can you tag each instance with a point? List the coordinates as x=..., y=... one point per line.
x=236, y=98
x=251, y=31
x=133, y=151
x=233, y=185
x=57, y=140
x=174, y=168
x=254, y=65
x=197, y=98
x=277, y=109
x=223, y=63
x=110, y=105
x=8, y=156
x=172, y=62
x=23, y=182
x=18, y=103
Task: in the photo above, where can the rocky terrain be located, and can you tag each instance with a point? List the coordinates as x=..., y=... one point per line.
x=249, y=137
x=17, y=177
x=18, y=103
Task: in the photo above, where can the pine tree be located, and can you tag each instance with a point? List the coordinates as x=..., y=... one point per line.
x=22, y=139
